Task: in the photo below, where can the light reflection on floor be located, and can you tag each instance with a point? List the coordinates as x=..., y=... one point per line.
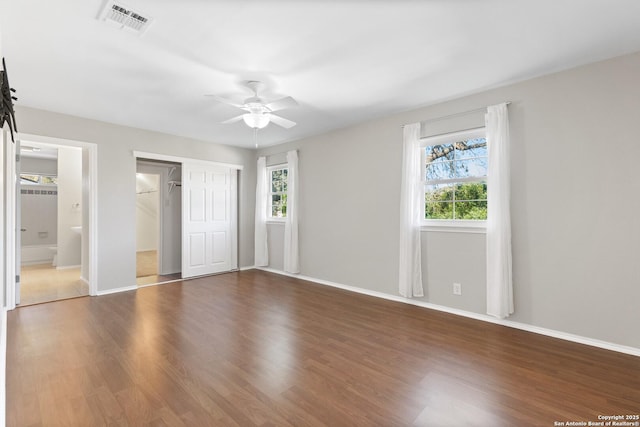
x=43, y=283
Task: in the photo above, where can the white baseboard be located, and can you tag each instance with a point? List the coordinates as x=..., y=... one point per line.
x=250, y=267
x=117, y=290
x=67, y=267
x=37, y=262
x=483, y=317
x=3, y=364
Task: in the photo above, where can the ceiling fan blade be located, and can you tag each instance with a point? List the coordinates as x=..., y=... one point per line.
x=282, y=103
x=232, y=120
x=225, y=100
x=281, y=121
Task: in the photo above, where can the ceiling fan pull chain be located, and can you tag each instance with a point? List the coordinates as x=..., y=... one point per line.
x=255, y=136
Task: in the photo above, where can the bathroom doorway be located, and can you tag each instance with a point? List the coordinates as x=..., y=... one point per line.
x=51, y=200
x=158, y=222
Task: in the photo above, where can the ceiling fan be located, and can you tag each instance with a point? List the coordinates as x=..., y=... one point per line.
x=259, y=112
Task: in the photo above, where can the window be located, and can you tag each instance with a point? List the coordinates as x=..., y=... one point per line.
x=278, y=191
x=455, y=186
x=35, y=179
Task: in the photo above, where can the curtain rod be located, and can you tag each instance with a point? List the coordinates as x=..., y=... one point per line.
x=277, y=154
x=461, y=113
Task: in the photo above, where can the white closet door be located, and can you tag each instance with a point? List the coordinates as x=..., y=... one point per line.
x=208, y=225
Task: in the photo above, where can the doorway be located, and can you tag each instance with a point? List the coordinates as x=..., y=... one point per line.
x=158, y=222
x=50, y=202
x=88, y=208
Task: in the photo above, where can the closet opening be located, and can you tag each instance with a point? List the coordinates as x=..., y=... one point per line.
x=158, y=222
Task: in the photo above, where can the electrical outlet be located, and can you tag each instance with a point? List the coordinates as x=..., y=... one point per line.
x=457, y=289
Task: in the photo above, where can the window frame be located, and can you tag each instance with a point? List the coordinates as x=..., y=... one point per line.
x=452, y=225
x=270, y=170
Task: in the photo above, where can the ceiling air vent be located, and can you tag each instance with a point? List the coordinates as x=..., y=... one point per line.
x=123, y=17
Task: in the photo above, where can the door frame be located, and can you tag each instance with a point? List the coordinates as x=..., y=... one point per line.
x=10, y=223
x=10, y=178
x=143, y=155
x=160, y=214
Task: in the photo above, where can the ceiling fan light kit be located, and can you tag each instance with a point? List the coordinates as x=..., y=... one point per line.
x=256, y=120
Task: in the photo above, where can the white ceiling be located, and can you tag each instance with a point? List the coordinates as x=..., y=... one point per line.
x=38, y=151
x=344, y=61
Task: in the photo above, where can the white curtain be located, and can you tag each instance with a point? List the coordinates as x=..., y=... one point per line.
x=411, y=214
x=261, y=254
x=291, y=257
x=499, y=280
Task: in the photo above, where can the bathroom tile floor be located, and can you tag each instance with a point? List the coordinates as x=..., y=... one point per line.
x=43, y=283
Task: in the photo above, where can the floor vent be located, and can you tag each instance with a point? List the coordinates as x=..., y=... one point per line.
x=123, y=17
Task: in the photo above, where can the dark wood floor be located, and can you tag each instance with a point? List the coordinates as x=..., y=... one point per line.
x=253, y=348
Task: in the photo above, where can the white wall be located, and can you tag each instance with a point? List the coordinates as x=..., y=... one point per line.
x=116, y=183
x=576, y=228
x=36, y=165
x=38, y=211
x=38, y=215
x=3, y=248
x=147, y=188
x=69, y=206
x=3, y=313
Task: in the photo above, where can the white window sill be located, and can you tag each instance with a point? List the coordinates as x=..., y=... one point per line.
x=274, y=221
x=444, y=226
